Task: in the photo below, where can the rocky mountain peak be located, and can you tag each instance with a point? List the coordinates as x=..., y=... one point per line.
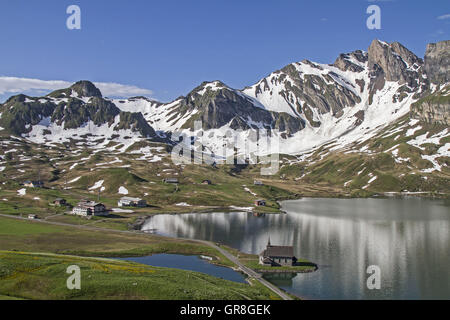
x=394, y=63
x=353, y=61
x=394, y=60
x=209, y=86
x=86, y=88
x=407, y=56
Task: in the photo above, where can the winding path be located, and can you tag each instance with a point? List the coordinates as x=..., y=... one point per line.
x=251, y=273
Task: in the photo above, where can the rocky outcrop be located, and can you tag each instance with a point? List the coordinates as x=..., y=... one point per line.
x=393, y=62
x=397, y=62
x=20, y=112
x=217, y=105
x=323, y=93
x=437, y=62
x=135, y=121
x=76, y=113
x=433, y=109
x=353, y=61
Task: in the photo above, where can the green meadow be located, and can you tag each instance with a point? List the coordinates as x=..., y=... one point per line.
x=43, y=276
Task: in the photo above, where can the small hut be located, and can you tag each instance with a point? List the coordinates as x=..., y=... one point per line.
x=170, y=180
x=260, y=203
x=59, y=202
x=277, y=255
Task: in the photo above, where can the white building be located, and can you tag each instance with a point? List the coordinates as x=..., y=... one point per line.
x=89, y=208
x=131, y=202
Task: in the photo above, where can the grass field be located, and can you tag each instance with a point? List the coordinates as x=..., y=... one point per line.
x=17, y=228
x=34, y=257
x=43, y=276
x=31, y=236
x=2, y=297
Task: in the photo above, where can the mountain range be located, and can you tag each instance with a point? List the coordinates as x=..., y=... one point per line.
x=313, y=109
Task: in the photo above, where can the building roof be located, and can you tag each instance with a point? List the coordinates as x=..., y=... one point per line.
x=81, y=206
x=89, y=204
x=279, y=251
x=130, y=199
x=34, y=182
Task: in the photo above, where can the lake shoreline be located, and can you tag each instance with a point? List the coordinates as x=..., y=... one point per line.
x=140, y=220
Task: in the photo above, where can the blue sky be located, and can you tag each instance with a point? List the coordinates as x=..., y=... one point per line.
x=165, y=48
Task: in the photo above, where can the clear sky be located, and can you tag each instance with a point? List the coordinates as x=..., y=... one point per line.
x=168, y=47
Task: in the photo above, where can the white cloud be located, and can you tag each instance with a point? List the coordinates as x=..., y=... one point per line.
x=121, y=90
x=12, y=85
x=443, y=17
x=15, y=85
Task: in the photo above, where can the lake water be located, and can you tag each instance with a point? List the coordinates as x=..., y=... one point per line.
x=193, y=263
x=408, y=239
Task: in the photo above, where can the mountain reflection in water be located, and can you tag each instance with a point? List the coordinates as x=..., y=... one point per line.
x=409, y=239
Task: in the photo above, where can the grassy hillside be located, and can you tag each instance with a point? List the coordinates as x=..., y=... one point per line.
x=74, y=175
x=407, y=156
x=43, y=276
x=32, y=266
x=22, y=235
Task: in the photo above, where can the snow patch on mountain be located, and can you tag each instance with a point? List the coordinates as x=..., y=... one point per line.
x=123, y=190
x=97, y=185
x=213, y=86
x=96, y=137
x=74, y=180
x=443, y=151
x=434, y=139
